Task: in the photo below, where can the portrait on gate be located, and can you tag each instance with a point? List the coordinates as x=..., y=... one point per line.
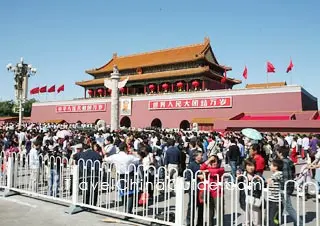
x=125, y=106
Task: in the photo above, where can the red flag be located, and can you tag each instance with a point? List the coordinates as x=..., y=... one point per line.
x=34, y=91
x=245, y=72
x=52, y=89
x=224, y=78
x=290, y=66
x=60, y=89
x=270, y=68
x=43, y=89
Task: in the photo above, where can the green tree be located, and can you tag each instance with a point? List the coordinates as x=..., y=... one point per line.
x=6, y=108
x=28, y=106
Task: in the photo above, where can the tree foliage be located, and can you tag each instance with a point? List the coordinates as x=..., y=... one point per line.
x=6, y=108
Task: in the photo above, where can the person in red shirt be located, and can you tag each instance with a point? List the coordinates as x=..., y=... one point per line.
x=213, y=167
x=255, y=154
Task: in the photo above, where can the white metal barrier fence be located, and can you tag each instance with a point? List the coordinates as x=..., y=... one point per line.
x=157, y=195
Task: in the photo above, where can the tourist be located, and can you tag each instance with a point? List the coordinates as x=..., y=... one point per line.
x=288, y=173
x=233, y=156
x=294, y=151
x=250, y=194
x=275, y=183
x=259, y=160
x=172, y=159
x=305, y=146
x=194, y=211
x=213, y=167
x=34, y=164
x=109, y=148
x=91, y=161
x=124, y=164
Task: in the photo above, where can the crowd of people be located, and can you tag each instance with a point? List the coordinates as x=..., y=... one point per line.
x=205, y=152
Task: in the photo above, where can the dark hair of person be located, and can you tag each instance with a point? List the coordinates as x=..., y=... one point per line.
x=278, y=164
x=123, y=146
x=249, y=162
x=217, y=159
x=170, y=142
x=256, y=147
x=195, y=154
x=284, y=151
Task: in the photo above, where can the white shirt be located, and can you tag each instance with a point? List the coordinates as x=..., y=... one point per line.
x=293, y=144
x=136, y=144
x=146, y=161
x=34, y=159
x=305, y=143
x=299, y=141
x=289, y=140
x=122, y=161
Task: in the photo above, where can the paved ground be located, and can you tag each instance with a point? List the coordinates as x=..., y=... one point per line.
x=20, y=210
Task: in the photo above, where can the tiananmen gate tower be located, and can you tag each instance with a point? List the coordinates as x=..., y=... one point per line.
x=177, y=87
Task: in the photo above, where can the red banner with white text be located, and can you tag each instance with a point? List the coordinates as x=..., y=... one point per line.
x=194, y=103
x=81, y=108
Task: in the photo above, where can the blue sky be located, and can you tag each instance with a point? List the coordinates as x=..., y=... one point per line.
x=64, y=38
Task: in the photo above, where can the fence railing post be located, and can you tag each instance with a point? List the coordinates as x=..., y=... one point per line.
x=9, y=176
x=179, y=210
x=74, y=208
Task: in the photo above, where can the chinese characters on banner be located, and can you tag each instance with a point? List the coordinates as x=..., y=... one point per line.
x=80, y=108
x=214, y=102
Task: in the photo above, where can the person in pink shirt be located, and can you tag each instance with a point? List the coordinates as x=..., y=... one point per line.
x=215, y=172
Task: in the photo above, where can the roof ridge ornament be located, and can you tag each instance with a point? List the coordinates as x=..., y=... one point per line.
x=115, y=55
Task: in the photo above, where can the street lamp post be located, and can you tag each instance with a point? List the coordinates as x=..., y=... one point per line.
x=22, y=72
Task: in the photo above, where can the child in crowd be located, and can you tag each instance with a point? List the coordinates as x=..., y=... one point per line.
x=250, y=186
x=275, y=184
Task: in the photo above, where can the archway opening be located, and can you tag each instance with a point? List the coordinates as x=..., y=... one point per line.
x=185, y=125
x=125, y=122
x=156, y=123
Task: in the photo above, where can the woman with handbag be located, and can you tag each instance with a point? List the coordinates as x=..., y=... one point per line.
x=250, y=187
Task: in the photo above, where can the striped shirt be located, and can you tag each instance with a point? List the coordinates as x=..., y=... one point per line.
x=275, y=187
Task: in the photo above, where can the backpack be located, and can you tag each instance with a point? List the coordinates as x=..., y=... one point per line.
x=288, y=174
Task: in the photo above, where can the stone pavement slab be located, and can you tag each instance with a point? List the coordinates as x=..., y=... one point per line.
x=20, y=210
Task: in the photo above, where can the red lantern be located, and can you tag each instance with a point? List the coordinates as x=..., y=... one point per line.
x=151, y=87
x=195, y=84
x=179, y=85
x=122, y=89
x=109, y=91
x=100, y=91
x=90, y=92
x=165, y=86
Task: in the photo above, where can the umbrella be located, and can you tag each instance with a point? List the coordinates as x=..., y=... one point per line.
x=63, y=133
x=252, y=134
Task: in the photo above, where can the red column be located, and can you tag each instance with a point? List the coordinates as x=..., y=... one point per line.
x=172, y=87
x=187, y=86
x=94, y=93
x=104, y=92
x=158, y=88
x=127, y=91
x=203, y=85
x=145, y=89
